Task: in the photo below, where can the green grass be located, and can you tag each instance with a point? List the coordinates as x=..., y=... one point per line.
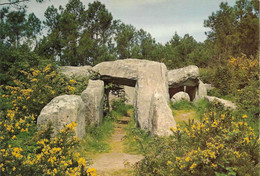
x=182, y=105
x=119, y=109
x=96, y=139
x=136, y=139
x=185, y=111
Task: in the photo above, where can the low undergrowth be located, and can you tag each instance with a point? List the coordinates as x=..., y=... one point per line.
x=220, y=144
x=96, y=139
x=185, y=111
x=136, y=139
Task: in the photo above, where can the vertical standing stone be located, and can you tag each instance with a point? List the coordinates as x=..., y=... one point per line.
x=93, y=97
x=161, y=116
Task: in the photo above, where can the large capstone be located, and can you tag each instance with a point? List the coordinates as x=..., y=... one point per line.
x=93, y=97
x=122, y=72
x=64, y=110
x=187, y=76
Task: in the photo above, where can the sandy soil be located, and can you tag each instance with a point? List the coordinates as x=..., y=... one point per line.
x=116, y=162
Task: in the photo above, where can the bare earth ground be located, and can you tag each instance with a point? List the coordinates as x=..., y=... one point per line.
x=115, y=163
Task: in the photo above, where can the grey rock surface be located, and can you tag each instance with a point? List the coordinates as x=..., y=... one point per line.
x=161, y=116
x=180, y=96
x=63, y=110
x=93, y=98
x=187, y=76
x=76, y=71
x=201, y=91
x=226, y=103
x=119, y=71
x=129, y=94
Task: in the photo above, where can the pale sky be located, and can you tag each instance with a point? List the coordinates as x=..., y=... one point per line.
x=161, y=18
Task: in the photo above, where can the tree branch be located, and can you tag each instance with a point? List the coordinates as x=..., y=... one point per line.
x=11, y=3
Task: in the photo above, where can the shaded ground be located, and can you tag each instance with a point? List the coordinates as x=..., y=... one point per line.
x=116, y=162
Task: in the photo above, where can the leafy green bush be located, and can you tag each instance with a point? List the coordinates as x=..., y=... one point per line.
x=220, y=145
x=30, y=94
x=247, y=100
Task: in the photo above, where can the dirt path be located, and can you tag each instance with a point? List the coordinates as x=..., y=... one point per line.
x=115, y=162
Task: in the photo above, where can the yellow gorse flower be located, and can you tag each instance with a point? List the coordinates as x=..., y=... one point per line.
x=244, y=116
x=193, y=166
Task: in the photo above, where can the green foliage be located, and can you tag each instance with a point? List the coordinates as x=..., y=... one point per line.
x=201, y=107
x=238, y=80
x=120, y=108
x=183, y=105
x=247, y=100
x=17, y=26
x=220, y=144
x=219, y=76
x=234, y=29
x=36, y=88
x=78, y=36
x=180, y=52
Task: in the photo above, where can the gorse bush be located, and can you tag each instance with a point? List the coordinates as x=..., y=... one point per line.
x=26, y=151
x=238, y=79
x=220, y=144
x=30, y=94
x=45, y=156
x=235, y=74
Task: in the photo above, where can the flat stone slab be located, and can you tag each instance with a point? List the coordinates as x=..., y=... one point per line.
x=226, y=103
x=187, y=76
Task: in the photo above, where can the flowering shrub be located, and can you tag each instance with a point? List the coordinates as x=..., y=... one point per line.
x=24, y=151
x=220, y=145
x=243, y=71
x=48, y=157
x=238, y=78
x=29, y=96
x=235, y=74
